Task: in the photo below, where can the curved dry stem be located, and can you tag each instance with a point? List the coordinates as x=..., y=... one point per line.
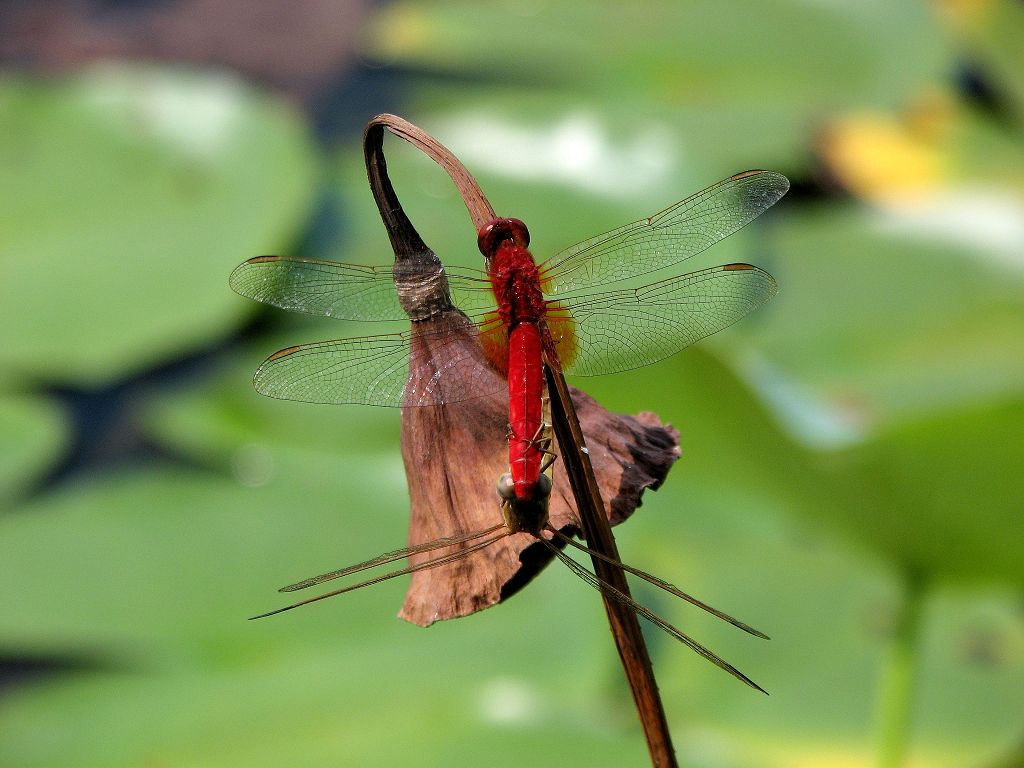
x=480, y=210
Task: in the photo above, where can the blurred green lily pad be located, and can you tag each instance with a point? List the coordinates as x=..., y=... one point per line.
x=155, y=572
x=152, y=575
x=222, y=422
x=701, y=51
x=881, y=322
x=174, y=562
x=631, y=152
x=943, y=496
x=128, y=196
x=697, y=84
x=702, y=85
x=930, y=483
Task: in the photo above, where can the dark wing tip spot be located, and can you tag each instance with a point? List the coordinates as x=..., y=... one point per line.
x=780, y=179
x=283, y=353
x=745, y=174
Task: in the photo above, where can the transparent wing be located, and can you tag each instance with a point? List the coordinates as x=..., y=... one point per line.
x=347, y=291
x=374, y=370
x=324, y=288
x=621, y=330
x=674, y=235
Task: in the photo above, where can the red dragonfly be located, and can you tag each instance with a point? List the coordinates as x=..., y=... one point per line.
x=525, y=315
x=587, y=332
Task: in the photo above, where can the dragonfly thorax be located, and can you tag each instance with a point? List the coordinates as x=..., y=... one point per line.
x=515, y=279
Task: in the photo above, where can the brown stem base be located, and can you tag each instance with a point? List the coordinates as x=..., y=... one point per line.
x=625, y=625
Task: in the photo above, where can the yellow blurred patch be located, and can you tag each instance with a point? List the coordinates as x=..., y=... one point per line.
x=964, y=13
x=398, y=29
x=892, y=159
x=847, y=756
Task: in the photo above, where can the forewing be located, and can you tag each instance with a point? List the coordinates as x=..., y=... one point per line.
x=674, y=235
x=621, y=330
x=347, y=291
x=323, y=288
x=471, y=293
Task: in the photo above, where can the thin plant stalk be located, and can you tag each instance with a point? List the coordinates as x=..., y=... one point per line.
x=899, y=682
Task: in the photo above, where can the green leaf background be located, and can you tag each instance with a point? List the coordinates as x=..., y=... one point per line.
x=863, y=428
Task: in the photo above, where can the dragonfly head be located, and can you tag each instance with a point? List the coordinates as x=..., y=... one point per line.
x=498, y=231
x=524, y=509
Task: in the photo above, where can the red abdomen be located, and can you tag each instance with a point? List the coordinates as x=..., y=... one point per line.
x=521, y=308
x=525, y=392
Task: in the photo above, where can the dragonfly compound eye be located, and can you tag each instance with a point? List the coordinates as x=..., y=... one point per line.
x=506, y=487
x=498, y=231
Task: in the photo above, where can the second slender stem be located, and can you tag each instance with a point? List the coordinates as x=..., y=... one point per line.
x=896, y=695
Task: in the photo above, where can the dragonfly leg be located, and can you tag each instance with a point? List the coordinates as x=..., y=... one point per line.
x=432, y=563
x=614, y=594
x=390, y=557
x=549, y=459
x=660, y=583
x=542, y=441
